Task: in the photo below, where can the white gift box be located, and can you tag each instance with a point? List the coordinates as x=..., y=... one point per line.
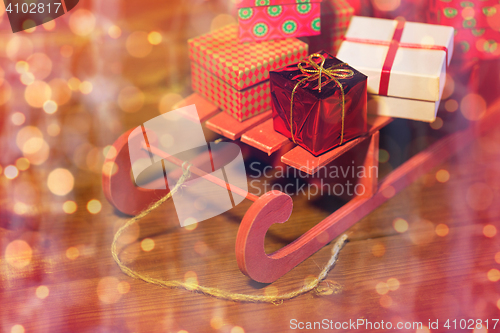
x=420, y=53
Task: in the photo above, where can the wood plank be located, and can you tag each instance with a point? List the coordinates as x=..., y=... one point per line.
x=231, y=128
x=265, y=138
x=303, y=160
x=206, y=110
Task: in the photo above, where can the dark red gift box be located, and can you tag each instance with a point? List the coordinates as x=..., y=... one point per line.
x=318, y=123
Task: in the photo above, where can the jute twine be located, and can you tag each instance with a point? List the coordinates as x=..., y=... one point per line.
x=210, y=291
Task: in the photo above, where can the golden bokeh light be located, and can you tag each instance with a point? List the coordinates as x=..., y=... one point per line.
x=131, y=99
x=137, y=44
x=494, y=275
x=378, y=250
x=72, y=253
x=237, y=329
x=69, y=207
x=123, y=287
x=42, y=292
x=109, y=152
x=40, y=65
x=437, y=123
x=271, y=291
x=22, y=67
x=386, y=5
x=19, y=48
x=147, y=244
x=22, y=163
x=61, y=92
x=442, y=176
x=10, y=172
x=498, y=304
x=130, y=235
x=400, y=225
x=17, y=329
x=86, y=87
x=449, y=87
x=200, y=247
x=37, y=93
x=53, y=129
x=479, y=196
x=383, y=156
x=114, y=31
x=74, y=84
x=18, y=118
x=389, y=192
x=82, y=22
x=27, y=78
x=473, y=106
x=191, y=278
x=60, y=181
x=182, y=331
x=216, y=322
x=20, y=208
x=422, y=232
x=29, y=26
x=386, y=301
x=49, y=24
x=489, y=230
x=109, y=168
x=154, y=37
x=107, y=290
x=497, y=257
x=393, y=284
x=191, y=226
x=169, y=102
x=442, y=230
x=382, y=288
x=221, y=20
x=94, y=206
x=451, y=105
x=18, y=254
x=50, y=107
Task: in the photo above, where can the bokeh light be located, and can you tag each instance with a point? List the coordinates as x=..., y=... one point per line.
x=18, y=118
x=22, y=163
x=393, y=284
x=74, y=83
x=114, y=31
x=383, y=156
x=386, y=5
x=168, y=102
x=442, y=176
x=489, y=230
x=386, y=301
x=190, y=277
x=129, y=235
x=154, y=37
x=421, y=232
x=50, y=107
x=109, y=168
x=378, y=250
x=72, y=253
x=94, y=206
x=494, y=275
x=147, y=244
x=497, y=257
x=473, y=106
x=442, y=230
x=19, y=48
x=69, y=207
x=5, y=92
x=37, y=93
x=237, y=329
x=40, y=65
x=66, y=51
x=437, y=123
x=60, y=181
x=18, y=254
x=107, y=290
x=137, y=44
x=10, y=172
x=86, y=87
x=382, y=288
x=17, y=329
x=123, y=287
x=131, y=99
x=53, y=129
x=42, y=292
x=82, y=22
x=60, y=91
x=49, y=25
x=400, y=225
x=216, y=322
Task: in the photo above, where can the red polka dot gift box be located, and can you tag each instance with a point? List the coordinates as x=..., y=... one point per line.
x=276, y=19
x=235, y=76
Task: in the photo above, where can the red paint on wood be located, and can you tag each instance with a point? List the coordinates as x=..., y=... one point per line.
x=226, y=125
x=265, y=138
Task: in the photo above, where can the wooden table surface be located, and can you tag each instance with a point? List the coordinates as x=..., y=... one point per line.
x=429, y=253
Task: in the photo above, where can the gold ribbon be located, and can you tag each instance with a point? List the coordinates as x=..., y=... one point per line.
x=316, y=73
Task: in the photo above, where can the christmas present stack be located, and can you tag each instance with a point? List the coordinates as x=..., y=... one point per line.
x=235, y=76
x=319, y=103
x=405, y=62
x=277, y=19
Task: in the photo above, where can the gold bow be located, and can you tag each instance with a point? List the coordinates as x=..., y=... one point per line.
x=316, y=73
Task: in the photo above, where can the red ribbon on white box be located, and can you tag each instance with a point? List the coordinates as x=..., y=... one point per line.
x=394, y=44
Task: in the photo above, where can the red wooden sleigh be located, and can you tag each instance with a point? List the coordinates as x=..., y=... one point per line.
x=276, y=207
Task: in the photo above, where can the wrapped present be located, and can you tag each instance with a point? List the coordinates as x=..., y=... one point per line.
x=235, y=76
x=405, y=63
x=274, y=19
x=336, y=15
x=319, y=103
